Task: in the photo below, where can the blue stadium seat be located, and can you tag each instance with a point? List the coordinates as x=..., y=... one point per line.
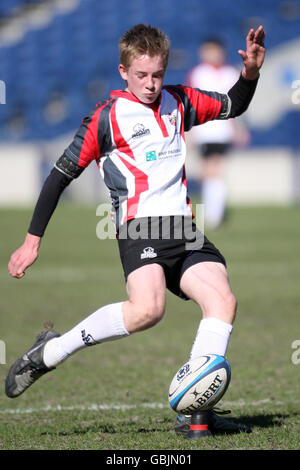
x=9, y=8
x=76, y=53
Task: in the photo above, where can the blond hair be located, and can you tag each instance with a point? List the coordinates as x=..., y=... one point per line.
x=143, y=40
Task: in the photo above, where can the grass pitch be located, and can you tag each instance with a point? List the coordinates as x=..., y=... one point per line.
x=114, y=396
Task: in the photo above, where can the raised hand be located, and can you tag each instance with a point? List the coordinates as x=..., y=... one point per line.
x=254, y=55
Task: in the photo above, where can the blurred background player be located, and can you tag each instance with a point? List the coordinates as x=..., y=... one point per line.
x=215, y=138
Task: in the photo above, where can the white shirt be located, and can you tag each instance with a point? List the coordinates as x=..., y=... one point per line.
x=221, y=79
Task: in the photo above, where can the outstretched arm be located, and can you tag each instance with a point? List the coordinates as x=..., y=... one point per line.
x=242, y=92
x=83, y=149
x=27, y=253
x=59, y=178
x=202, y=106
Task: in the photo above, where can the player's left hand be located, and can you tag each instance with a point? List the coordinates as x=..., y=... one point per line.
x=254, y=55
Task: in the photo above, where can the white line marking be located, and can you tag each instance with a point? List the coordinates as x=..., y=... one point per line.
x=124, y=407
x=91, y=407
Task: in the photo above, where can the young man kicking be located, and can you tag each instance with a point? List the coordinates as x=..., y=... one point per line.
x=137, y=138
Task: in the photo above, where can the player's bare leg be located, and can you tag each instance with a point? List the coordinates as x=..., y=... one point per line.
x=208, y=285
x=146, y=288
x=145, y=307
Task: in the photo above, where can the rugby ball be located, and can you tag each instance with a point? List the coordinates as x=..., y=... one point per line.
x=199, y=384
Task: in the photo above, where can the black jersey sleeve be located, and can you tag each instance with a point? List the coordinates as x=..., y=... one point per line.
x=240, y=96
x=53, y=187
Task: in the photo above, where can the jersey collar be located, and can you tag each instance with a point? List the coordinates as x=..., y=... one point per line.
x=131, y=97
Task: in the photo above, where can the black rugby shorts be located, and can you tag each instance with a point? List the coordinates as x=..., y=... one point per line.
x=175, y=251
x=211, y=149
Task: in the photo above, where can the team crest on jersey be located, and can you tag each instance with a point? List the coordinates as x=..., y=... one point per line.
x=173, y=118
x=139, y=130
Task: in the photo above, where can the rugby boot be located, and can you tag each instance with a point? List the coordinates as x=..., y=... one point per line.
x=30, y=367
x=216, y=424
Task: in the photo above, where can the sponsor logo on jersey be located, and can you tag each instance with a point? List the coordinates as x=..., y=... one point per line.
x=148, y=253
x=169, y=153
x=150, y=156
x=139, y=130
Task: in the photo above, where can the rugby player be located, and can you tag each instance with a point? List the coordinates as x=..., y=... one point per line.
x=137, y=139
x=215, y=139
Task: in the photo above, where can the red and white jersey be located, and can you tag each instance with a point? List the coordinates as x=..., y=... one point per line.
x=140, y=148
x=221, y=79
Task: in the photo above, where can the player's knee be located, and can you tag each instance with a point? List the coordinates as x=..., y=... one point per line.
x=141, y=315
x=150, y=314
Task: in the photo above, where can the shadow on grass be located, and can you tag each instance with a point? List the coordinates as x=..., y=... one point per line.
x=263, y=420
x=251, y=421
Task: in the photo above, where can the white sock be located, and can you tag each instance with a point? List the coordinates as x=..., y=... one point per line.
x=214, y=200
x=212, y=338
x=106, y=324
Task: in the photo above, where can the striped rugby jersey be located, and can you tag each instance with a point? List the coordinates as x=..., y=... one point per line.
x=140, y=148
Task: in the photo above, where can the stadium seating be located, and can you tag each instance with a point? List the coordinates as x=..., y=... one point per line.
x=10, y=7
x=55, y=73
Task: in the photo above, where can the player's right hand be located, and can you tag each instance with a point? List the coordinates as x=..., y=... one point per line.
x=24, y=256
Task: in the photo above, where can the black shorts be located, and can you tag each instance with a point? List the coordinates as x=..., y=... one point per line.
x=207, y=150
x=175, y=253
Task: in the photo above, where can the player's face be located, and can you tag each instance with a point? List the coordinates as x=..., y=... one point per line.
x=213, y=54
x=144, y=77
